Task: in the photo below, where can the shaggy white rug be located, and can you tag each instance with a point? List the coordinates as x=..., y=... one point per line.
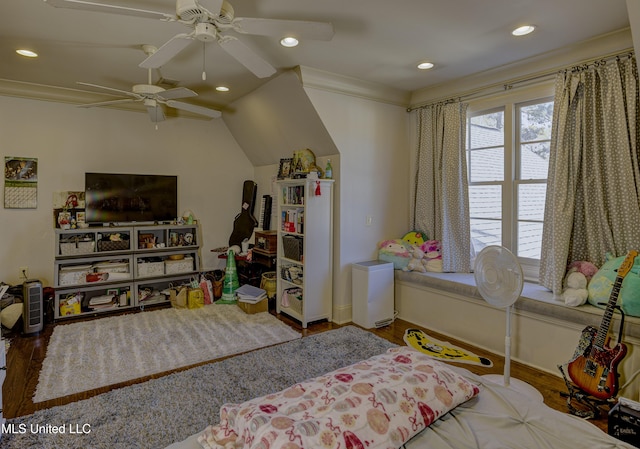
x=91, y=354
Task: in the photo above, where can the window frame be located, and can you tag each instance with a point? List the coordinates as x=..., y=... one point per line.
x=510, y=102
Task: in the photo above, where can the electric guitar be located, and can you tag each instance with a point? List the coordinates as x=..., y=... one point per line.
x=593, y=368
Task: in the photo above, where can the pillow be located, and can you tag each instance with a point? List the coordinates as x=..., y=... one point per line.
x=10, y=315
x=601, y=283
x=395, y=251
x=377, y=403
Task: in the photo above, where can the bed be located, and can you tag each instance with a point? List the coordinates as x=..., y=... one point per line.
x=454, y=409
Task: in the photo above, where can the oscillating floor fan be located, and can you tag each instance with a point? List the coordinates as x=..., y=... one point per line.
x=500, y=280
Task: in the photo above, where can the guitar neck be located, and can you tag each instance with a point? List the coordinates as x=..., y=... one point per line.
x=608, y=314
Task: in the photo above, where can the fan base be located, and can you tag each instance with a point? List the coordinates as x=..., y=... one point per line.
x=517, y=385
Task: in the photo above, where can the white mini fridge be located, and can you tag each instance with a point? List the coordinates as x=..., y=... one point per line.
x=372, y=293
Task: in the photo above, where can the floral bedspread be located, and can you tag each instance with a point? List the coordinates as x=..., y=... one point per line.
x=377, y=403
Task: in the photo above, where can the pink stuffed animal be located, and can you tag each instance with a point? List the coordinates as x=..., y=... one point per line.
x=584, y=267
x=433, y=256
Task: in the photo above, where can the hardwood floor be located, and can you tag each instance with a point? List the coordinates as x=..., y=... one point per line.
x=27, y=353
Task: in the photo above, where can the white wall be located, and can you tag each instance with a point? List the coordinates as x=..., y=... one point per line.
x=70, y=141
x=371, y=174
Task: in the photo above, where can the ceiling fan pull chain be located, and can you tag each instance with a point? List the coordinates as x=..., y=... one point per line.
x=204, y=73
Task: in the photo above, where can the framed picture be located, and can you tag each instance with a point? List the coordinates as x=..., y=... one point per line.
x=113, y=292
x=285, y=168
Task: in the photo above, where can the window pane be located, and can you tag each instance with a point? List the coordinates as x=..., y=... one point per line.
x=529, y=240
x=485, y=233
x=486, y=130
x=485, y=202
x=486, y=165
x=535, y=122
x=531, y=200
x=534, y=160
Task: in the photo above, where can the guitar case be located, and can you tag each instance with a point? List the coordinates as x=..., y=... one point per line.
x=245, y=222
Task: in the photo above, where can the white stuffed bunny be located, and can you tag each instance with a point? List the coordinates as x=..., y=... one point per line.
x=575, y=292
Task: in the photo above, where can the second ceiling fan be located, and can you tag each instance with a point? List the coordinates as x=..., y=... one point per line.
x=209, y=20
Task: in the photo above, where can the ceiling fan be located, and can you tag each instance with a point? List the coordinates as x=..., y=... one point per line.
x=208, y=20
x=154, y=96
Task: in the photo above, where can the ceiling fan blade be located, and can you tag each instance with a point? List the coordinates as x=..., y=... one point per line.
x=165, y=53
x=178, y=92
x=247, y=57
x=156, y=114
x=114, y=9
x=321, y=31
x=123, y=92
x=213, y=7
x=107, y=103
x=195, y=109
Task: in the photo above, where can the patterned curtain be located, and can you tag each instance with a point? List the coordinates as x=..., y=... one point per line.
x=441, y=201
x=593, y=195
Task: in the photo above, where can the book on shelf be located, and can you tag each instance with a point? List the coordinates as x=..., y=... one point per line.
x=293, y=195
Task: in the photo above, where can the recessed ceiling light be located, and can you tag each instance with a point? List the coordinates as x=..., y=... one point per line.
x=289, y=41
x=521, y=31
x=425, y=65
x=27, y=53
x=222, y=89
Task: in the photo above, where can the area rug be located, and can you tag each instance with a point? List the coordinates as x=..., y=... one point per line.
x=91, y=354
x=442, y=350
x=159, y=412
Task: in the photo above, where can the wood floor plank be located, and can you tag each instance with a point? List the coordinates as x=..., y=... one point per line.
x=26, y=355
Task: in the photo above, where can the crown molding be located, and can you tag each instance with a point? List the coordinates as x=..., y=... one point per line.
x=615, y=42
x=331, y=82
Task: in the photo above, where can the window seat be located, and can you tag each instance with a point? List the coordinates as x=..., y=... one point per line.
x=545, y=332
x=534, y=299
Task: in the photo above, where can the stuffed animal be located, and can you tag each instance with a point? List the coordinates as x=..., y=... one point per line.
x=600, y=287
x=417, y=261
x=575, y=291
x=416, y=238
x=433, y=255
x=584, y=267
x=396, y=251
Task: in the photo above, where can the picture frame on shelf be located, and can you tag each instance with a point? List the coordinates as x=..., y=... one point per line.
x=284, y=172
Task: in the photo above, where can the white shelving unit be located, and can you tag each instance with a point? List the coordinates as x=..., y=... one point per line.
x=305, y=249
x=141, y=263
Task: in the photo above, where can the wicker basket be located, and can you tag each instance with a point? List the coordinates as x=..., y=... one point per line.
x=76, y=247
x=292, y=246
x=295, y=299
x=117, y=245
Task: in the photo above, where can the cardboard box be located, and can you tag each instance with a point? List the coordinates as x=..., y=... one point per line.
x=261, y=306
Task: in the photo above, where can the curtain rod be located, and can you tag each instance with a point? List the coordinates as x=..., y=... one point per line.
x=510, y=84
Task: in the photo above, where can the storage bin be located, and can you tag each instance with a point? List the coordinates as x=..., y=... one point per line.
x=178, y=266
x=112, y=267
x=108, y=245
x=148, y=269
x=76, y=246
x=294, y=299
x=71, y=275
x=292, y=246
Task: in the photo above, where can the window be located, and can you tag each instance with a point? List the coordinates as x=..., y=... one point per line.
x=508, y=160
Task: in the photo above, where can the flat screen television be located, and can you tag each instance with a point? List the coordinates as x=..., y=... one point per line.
x=118, y=198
